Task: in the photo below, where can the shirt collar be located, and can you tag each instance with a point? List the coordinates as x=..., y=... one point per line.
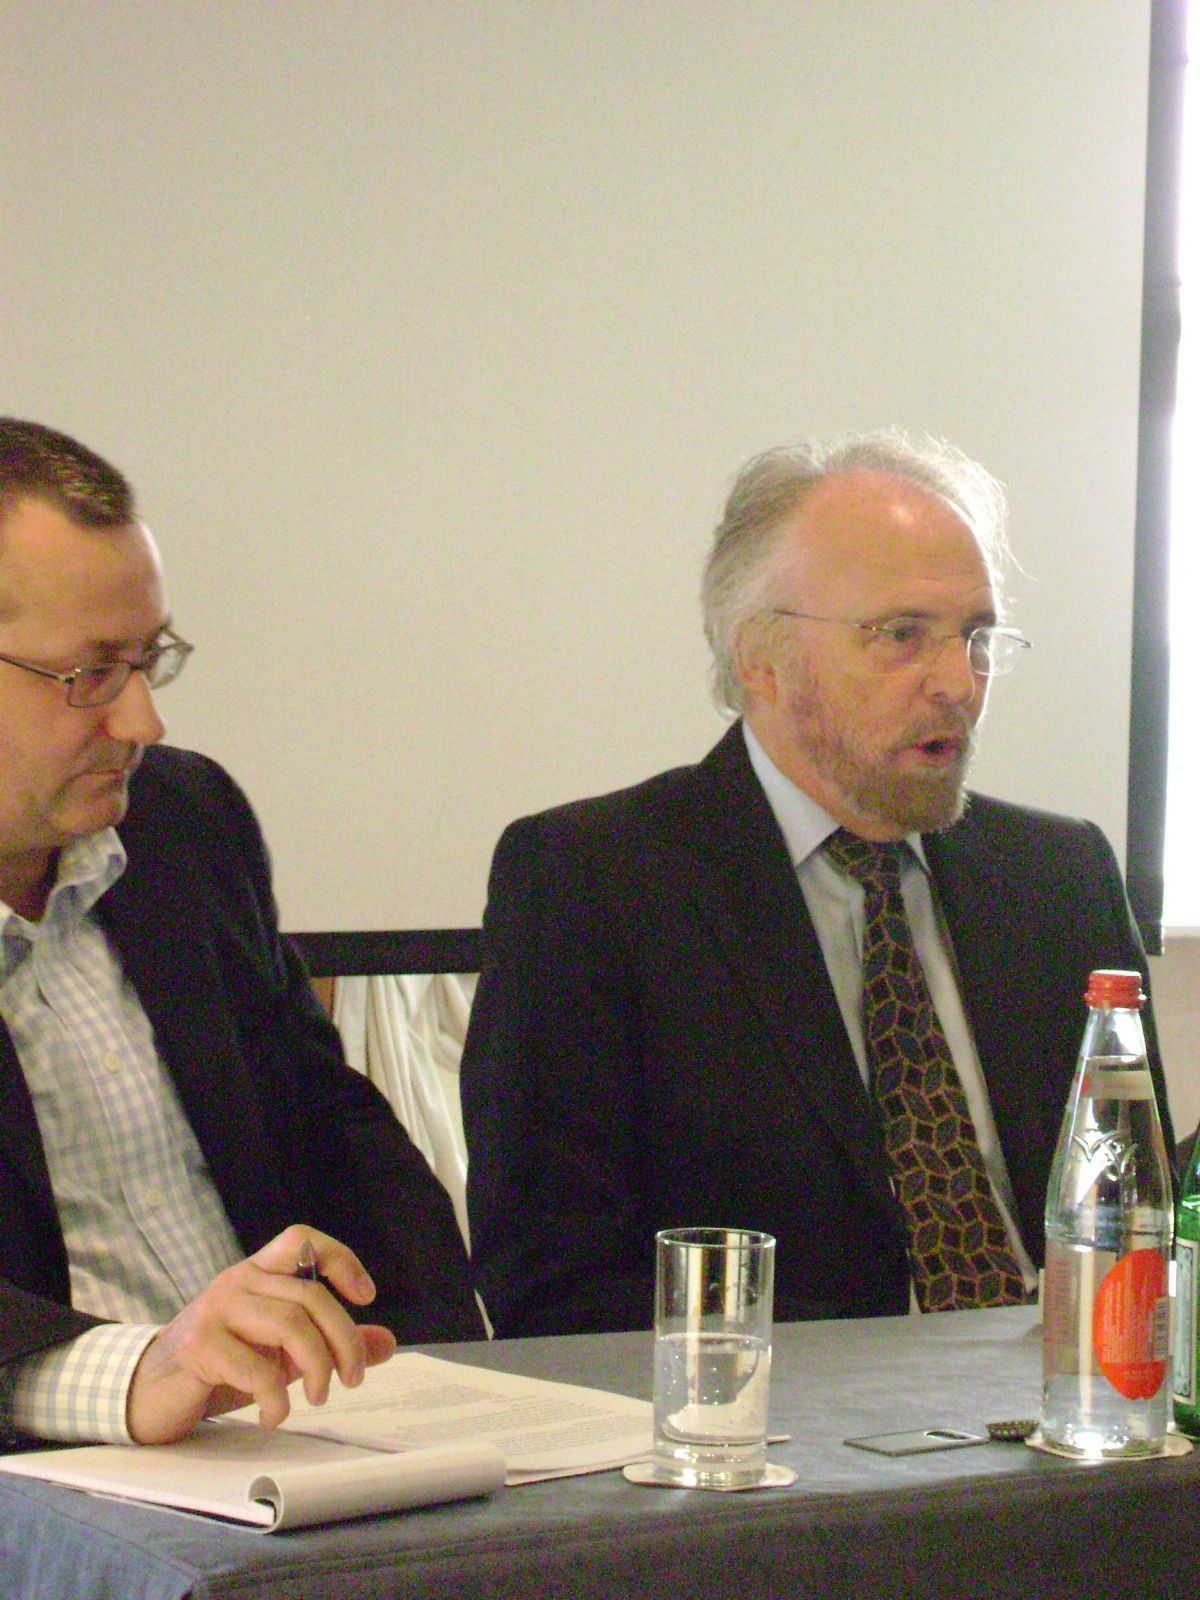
x=804, y=824
x=87, y=868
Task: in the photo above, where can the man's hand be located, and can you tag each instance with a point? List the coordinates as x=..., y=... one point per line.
x=256, y=1329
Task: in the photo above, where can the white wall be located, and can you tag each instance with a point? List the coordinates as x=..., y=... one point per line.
x=432, y=333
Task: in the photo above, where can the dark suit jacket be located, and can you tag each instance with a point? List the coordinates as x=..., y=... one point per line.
x=290, y=1133
x=655, y=1042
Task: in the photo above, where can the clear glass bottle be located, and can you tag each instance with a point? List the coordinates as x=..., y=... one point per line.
x=1186, y=1363
x=1109, y=1229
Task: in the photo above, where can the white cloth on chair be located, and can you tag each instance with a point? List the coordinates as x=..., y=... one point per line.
x=405, y=1033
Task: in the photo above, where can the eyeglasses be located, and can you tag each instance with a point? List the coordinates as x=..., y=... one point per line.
x=903, y=641
x=101, y=685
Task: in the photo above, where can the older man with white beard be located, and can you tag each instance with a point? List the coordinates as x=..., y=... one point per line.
x=810, y=985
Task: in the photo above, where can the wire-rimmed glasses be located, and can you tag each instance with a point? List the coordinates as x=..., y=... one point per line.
x=903, y=641
x=100, y=685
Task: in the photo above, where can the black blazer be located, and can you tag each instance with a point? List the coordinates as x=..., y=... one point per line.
x=289, y=1132
x=655, y=1042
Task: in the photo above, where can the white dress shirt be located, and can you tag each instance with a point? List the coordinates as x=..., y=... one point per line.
x=836, y=905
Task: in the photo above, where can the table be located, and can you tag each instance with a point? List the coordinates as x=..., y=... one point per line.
x=992, y=1520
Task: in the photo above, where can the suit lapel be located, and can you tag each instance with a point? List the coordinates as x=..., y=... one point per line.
x=745, y=888
x=970, y=889
x=25, y=1187
x=20, y=1140
x=156, y=915
x=968, y=892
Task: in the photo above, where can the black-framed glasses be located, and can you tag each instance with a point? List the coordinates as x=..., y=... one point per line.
x=100, y=685
x=903, y=641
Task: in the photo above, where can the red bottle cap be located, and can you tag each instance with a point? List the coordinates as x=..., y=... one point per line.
x=1110, y=989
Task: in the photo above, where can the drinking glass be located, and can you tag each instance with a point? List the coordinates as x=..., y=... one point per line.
x=712, y=1356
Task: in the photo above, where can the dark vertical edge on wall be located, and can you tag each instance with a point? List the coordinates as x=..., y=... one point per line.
x=1150, y=667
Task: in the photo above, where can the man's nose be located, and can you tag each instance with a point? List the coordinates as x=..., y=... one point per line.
x=133, y=717
x=949, y=675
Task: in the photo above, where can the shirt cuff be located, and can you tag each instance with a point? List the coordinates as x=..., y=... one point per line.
x=76, y=1391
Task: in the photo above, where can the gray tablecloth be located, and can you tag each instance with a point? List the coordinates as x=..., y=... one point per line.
x=992, y=1520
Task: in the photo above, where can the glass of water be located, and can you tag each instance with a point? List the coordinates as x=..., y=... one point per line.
x=712, y=1356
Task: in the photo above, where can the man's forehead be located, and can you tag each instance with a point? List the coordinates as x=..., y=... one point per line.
x=882, y=526
x=105, y=584
x=846, y=502
x=39, y=539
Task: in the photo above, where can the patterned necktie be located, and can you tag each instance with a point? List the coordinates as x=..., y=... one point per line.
x=958, y=1245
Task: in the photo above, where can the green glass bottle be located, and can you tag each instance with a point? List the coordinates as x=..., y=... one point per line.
x=1187, y=1284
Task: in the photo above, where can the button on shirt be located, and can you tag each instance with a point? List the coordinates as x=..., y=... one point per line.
x=144, y=1227
x=836, y=905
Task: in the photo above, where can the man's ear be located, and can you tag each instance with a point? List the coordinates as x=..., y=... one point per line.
x=754, y=660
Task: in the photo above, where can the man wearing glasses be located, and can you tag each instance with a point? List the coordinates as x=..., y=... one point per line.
x=809, y=985
x=179, y=1129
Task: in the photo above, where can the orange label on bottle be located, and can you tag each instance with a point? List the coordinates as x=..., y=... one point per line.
x=1128, y=1323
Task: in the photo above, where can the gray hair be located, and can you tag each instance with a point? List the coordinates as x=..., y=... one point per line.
x=738, y=575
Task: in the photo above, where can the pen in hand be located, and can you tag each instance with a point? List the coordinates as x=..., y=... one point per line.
x=351, y=1375
x=306, y=1263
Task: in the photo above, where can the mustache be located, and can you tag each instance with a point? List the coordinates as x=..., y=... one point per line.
x=116, y=758
x=957, y=728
